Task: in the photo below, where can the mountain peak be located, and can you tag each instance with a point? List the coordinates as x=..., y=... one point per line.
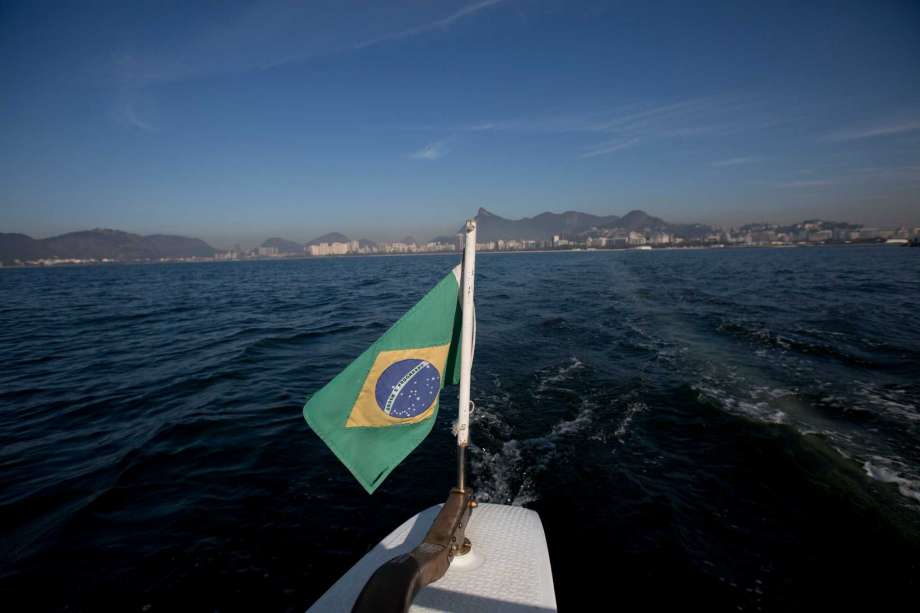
x=283, y=245
x=638, y=219
x=332, y=237
x=637, y=213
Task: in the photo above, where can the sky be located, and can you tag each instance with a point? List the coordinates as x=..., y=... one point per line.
x=236, y=121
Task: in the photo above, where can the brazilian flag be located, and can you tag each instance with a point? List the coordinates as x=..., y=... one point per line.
x=376, y=411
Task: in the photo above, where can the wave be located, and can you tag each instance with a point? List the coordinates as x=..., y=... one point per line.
x=757, y=404
x=562, y=374
x=880, y=469
x=793, y=342
x=632, y=409
x=506, y=472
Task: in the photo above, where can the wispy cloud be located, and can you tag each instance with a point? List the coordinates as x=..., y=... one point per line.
x=624, y=126
x=629, y=119
x=873, y=131
x=610, y=147
x=898, y=174
x=734, y=162
x=127, y=110
x=273, y=33
x=432, y=151
x=268, y=34
x=129, y=115
x=802, y=184
x=891, y=176
x=439, y=24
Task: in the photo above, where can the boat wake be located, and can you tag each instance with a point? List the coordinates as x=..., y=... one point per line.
x=886, y=471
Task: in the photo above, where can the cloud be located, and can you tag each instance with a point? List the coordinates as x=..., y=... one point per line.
x=432, y=151
x=734, y=162
x=908, y=173
x=273, y=33
x=129, y=115
x=873, y=131
x=630, y=120
x=626, y=125
x=265, y=35
x=133, y=108
x=610, y=147
x=442, y=24
x=802, y=184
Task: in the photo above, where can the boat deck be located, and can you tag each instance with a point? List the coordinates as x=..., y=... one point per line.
x=508, y=569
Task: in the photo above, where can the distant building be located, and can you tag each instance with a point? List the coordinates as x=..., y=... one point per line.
x=333, y=248
x=597, y=241
x=268, y=251
x=636, y=238
x=819, y=236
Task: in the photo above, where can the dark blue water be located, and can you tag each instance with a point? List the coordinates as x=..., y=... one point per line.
x=725, y=429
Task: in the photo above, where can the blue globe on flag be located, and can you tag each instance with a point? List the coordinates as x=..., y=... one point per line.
x=407, y=388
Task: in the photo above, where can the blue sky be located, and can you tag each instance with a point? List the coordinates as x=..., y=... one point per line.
x=236, y=121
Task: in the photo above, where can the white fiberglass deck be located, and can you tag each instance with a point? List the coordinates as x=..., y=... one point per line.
x=508, y=569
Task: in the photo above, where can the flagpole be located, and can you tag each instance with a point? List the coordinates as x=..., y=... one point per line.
x=466, y=352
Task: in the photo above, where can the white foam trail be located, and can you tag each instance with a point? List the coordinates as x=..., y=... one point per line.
x=891, y=402
x=564, y=372
x=496, y=474
x=632, y=409
x=506, y=474
x=880, y=472
x=757, y=406
x=576, y=424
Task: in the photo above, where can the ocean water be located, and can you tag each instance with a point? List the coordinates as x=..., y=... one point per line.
x=722, y=429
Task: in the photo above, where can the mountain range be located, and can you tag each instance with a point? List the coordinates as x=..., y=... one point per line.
x=101, y=244
x=117, y=245
x=570, y=224
x=543, y=227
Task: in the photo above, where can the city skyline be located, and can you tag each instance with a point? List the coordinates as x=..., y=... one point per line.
x=423, y=237
x=568, y=230
x=310, y=233
x=248, y=120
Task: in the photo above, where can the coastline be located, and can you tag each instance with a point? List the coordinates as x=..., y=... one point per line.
x=437, y=253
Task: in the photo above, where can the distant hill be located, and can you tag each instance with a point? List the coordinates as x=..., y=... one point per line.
x=170, y=246
x=19, y=247
x=101, y=244
x=408, y=240
x=366, y=243
x=450, y=240
x=332, y=237
x=691, y=231
x=570, y=224
x=491, y=227
x=283, y=245
x=638, y=220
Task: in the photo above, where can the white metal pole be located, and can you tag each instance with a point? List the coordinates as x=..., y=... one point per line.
x=466, y=349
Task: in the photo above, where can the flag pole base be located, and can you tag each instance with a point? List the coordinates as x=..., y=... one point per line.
x=393, y=586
